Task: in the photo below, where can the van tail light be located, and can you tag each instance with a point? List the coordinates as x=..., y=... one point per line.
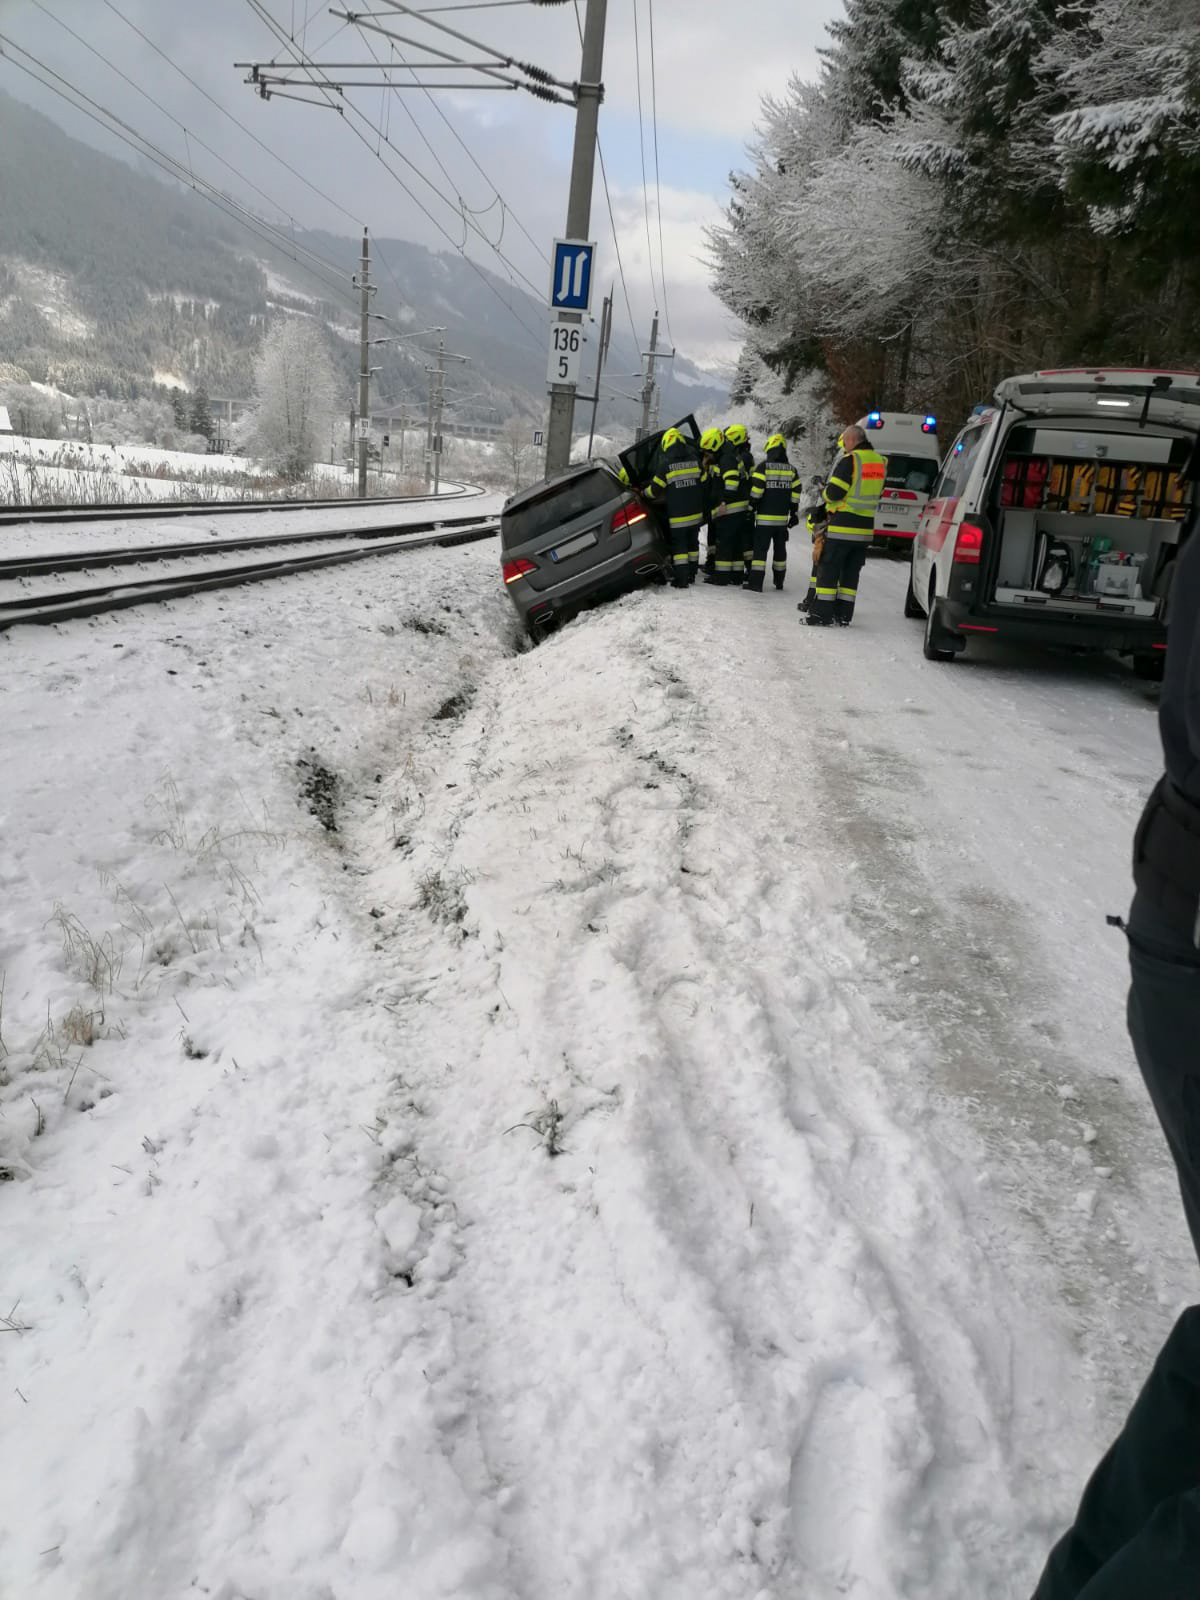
x=626, y=515
x=513, y=570
x=968, y=547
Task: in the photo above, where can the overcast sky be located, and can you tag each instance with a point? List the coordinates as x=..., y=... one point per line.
x=714, y=63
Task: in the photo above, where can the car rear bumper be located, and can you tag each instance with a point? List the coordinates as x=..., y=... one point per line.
x=1125, y=635
x=645, y=555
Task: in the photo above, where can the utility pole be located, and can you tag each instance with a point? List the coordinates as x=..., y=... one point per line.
x=364, y=369
x=439, y=401
x=601, y=358
x=579, y=213
x=648, y=386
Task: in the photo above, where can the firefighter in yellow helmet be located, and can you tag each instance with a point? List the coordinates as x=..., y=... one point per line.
x=851, y=497
x=676, y=485
x=712, y=489
x=775, y=507
x=735, y=488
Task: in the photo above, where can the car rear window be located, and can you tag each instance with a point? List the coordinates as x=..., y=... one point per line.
x=558, y=505
x=910, y=472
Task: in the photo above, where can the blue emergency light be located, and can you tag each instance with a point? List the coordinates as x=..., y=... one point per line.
x=874, y=419
x=929, y=425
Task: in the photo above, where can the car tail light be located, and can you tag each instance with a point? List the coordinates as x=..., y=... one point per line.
x=968, y=547
x=627, y=515
x=513, y=570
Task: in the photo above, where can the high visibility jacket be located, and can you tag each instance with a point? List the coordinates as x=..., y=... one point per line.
x=852, y=494
x=677, y=483
x=775, y=490
x=734, y=477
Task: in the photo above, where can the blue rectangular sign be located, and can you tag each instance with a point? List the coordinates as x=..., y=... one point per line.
x=571, y=282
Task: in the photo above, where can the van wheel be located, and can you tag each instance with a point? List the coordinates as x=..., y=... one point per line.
x=911, y=608
x=932, y=650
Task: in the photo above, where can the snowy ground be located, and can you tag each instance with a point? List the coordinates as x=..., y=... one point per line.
x=648, y=1117
x=71, y=471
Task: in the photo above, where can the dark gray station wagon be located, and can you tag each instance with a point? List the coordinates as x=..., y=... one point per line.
x=583, y=536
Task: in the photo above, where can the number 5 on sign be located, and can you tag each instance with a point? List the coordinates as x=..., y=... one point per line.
x=566, y=353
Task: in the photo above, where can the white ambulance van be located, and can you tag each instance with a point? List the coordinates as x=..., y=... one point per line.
x=1058, y=515
x=909, y=441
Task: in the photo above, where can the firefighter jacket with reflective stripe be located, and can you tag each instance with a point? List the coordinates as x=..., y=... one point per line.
x=735, y=478
x=852, y=494
x=775, y=490
x=677, y=483
x=712, y=485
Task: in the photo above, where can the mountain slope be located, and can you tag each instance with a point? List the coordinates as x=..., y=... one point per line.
x=176, y=290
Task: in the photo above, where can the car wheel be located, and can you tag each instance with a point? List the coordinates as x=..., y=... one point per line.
x=932, y=650
x=911, y=606
x=1150, y=668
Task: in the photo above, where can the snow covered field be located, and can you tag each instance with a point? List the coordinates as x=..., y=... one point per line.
x=648, y=1117
x=73, y=472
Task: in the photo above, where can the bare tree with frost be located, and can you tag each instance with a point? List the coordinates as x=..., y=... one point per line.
x=295, y=392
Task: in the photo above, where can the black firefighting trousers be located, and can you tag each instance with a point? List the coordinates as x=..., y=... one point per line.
x=730, y=536
x=836, y=583
x=767, y=535
x=1137, y=1530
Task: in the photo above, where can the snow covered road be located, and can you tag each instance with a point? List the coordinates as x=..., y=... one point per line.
x=670, y=1132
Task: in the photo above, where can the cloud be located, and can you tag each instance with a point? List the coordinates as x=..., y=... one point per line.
x=713, y=64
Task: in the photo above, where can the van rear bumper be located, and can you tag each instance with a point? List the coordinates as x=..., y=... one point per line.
x=1125, y=635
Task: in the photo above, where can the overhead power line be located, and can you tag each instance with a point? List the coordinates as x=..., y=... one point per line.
x=225, y=112
x=318, y=266
x=637, y=57
x=612, y=221
x=662, y=260
x=325, y=87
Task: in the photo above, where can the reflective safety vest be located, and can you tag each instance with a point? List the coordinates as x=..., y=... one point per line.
x=851, y=501
x=775, y=492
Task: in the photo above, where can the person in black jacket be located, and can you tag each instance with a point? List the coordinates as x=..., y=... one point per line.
x=677, y=484
x=775, y=507
x=1137, y=1530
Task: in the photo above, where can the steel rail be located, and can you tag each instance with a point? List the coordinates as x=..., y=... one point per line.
x=120, y=597
x=133, y=555
x=11, y=516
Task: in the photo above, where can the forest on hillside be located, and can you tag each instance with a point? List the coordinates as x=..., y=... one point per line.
x=970, y=189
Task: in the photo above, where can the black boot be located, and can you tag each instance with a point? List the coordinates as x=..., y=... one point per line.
x=818, y=622
x=778, y=581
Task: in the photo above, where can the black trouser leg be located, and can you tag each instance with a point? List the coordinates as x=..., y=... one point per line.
x=710, y=548
x=729, y=548
x=680, y=539
x=848, y=576
x=758, y=556
x=1137, y=1531
x=779, y=557
x=1164, y=1024
x=827, y=578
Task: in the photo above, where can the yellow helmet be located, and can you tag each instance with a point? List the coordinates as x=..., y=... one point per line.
x=776, y=442
x=710, y=440
x=736, y=434
x=671, y=437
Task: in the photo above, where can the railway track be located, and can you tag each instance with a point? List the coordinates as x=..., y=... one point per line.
x=11, y=516
x=61, y=606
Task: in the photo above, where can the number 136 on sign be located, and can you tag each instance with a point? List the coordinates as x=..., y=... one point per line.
x=566, y=352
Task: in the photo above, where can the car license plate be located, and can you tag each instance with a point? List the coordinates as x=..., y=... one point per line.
x=583, y=541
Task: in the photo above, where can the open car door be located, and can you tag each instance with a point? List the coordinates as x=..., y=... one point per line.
x=638, y=460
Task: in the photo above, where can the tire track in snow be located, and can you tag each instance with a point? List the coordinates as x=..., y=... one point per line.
x=643, y=1200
